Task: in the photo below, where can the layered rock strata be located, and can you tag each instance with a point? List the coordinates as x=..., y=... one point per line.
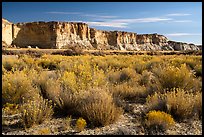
x=60, y=35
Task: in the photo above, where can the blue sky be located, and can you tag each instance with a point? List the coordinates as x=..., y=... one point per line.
x=179, y=21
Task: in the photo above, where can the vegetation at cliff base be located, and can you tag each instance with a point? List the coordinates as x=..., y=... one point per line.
x=92, y=88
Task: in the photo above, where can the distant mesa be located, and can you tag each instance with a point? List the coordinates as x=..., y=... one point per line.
x=62, y=35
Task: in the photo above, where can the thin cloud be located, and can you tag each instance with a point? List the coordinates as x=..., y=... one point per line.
x=183, y=34
x=108, y=24
x=143, y=20
x=178, y=14
x=99, y=16
x=123, y=23
x=108, y=17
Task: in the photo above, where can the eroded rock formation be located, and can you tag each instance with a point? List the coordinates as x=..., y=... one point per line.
x=6, y=33
x=65, y=34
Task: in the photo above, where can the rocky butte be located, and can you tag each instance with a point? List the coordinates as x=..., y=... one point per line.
x=62, y=35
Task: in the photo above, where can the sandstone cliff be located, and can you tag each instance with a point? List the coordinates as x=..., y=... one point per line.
x=6, y=33
x=65, y=34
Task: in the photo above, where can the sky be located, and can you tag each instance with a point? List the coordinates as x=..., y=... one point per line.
x=178, y=21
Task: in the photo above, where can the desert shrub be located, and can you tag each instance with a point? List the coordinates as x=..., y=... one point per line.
x=198, y=104
x=66, y=124
x=182, y=104
x=76, y=50
x=174, y=77
x=35, y=111
x=146, y=78
x=80, y=124
x=124, y=75
x=98, y=77
x=84, y=74
x=127, y=74
x=9, y=63
x=47, y=64
x=179, y=103
x=159, y=120
x=198, y=70
x=15, y=86
x=68, y=102
x=44, y=131
x=49, y=86
x=114, y=77
x=28, y=62
x=155, y=62
x=157, y=101
x=68, y=97
x=128, y=92
x=23, y=62
x=10, y=109
x=140, y=67
x=191, y=62
x=101, y=64
x=3, y=70
x=68, y=52
x=98, y=108
x=69, y=81
x=35, y=53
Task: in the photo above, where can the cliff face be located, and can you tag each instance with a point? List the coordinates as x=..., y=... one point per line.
x=6, y=33
x=33, y=34
x=182, y=46
x=65, y=34
x=72, y=34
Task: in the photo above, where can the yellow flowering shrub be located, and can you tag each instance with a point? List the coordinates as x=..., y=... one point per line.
x=175, y=77
x=159, y=119
x=36, y=111
x=15, y=86
x=69, y=80
x=179, y=103
x=91, y=86
x=43, y=131
x=10, y=109
x=128, y=91
x=80, y=124
x=182, y=103
x=198, y=104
